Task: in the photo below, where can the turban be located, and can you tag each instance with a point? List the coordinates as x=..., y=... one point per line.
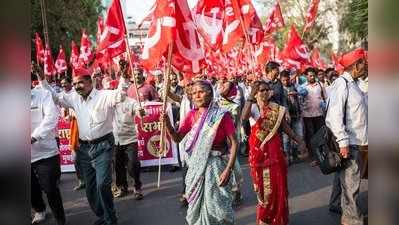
x=352, y=57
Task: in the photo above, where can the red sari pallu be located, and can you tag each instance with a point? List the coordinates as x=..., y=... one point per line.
x=269, y=168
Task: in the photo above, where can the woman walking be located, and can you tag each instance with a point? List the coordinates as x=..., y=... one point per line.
x=266, y=158
x=205, y=133
x=228, y=92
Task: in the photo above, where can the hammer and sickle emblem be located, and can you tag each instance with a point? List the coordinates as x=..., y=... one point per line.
x=194, y=53
x=214, y=27
x=301, y=51
x=229, y=29
x=154, y=39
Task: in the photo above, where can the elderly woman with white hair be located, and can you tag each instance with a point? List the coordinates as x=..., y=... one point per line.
x=206, y=132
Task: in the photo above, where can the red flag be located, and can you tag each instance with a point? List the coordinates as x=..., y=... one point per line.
x=311, y=15
x=295, y=51
x=49, y=68
x=60, y=63
x=256, y=32
x=315, y=59
x=335, y=59
x=74, y=60
x=149, y=16
x=113, y=36
x=275, y=20
x=39, y=48
x=232, y=26
x=252, y=22
x=265, y=52
x=160, y=33
x=100, y=29
x=85, y=49
x=209, y=19
x=188, y=55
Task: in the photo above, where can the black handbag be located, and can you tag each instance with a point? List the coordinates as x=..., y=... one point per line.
x=324, y=144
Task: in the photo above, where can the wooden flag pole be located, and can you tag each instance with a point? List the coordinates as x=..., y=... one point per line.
x=166, y=86
x=44, y=21
x=136, y=90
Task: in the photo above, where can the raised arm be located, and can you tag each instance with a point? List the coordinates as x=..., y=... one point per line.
x=118, y=95
x=246, y=111
x=58, y=98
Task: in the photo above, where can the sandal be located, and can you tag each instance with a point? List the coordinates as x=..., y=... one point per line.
x=314, y=163
x=138, y=195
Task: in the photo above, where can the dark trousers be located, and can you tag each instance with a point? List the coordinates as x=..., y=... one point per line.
x=312, y=125
x=96, y=164
x=127, y=156
x=78, y=168
x=346, y=188
x=45, y=175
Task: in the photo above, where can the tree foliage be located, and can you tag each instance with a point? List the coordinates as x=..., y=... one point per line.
x=355, y=20
x=294, y=13
x=65, y=21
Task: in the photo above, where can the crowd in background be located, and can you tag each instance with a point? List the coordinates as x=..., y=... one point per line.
x=304, y=94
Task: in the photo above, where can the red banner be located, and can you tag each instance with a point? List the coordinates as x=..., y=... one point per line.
x=148, y=136
x=65, y=151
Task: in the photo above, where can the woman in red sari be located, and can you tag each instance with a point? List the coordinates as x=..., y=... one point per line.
x=266, y=158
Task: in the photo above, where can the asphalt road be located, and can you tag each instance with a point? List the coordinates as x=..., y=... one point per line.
x=308, y=200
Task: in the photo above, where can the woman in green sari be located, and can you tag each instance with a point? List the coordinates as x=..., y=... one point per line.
x=205, y=133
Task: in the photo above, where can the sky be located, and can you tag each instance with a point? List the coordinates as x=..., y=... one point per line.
x=138, y=9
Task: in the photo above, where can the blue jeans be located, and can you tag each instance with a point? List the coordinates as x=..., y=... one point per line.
x=96, y=162
x=346, y=188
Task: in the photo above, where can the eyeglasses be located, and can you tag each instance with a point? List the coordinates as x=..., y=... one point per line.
x=264, y=89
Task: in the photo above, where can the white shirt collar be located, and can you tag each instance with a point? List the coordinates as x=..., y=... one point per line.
x=348, y=76
x=93, y=93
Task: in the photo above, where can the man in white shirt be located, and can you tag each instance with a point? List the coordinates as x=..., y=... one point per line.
x=45, y=159
x=347, y=118
x=312, y=111
x=94, y=112
x=126, y=147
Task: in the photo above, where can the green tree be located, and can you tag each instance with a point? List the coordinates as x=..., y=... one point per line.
x=355, y=20
x=65, y=21
x=294, y=13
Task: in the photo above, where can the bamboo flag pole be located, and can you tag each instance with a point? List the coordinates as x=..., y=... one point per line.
x=130, y=57
x=166, y=86
x=132, y=69
x=252, y=54
x=136, y=90
x=44, y=21
x=303, y=16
